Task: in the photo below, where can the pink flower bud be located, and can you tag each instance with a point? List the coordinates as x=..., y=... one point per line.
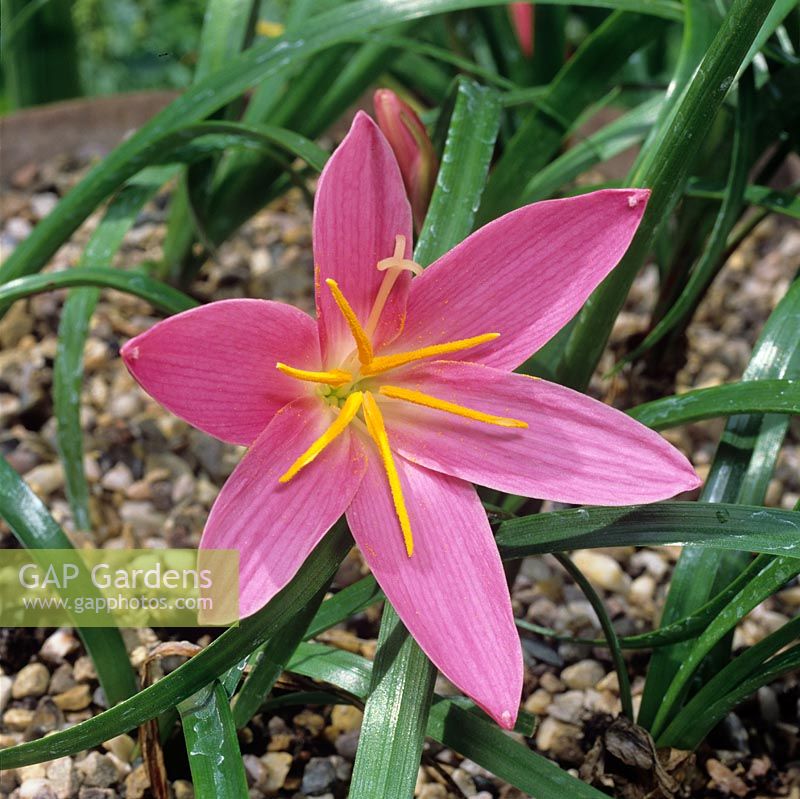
x=412, y=148
x=522, y=20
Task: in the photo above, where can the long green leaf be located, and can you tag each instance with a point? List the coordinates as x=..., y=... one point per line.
x=221, y=655
x=401, y=689
x=780, y=202
x=269, y=660
x=743, y=675
x=158, y=294
x=711, y=261
x=73, y=330
x=772, y=577
x=35, y=528
x=614, y=138
x=665, y=170
x=583, y=80
x=212, y=746
x=748, y=396
x=721, y=526
x=456, y=724
x=742, y=468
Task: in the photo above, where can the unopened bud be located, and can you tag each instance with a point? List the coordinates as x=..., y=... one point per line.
x=412, y=148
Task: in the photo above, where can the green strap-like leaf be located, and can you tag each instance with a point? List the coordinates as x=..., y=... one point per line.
x=455, y=723
x=721, y=526
x=583, y=80
x=73, y=329
x=35, y=528
x=748, y=396
x=665, y=171
x=212, y=745
x=401, y=689
x=158, y=294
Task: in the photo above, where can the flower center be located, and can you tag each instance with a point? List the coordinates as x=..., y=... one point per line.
x=350, y=389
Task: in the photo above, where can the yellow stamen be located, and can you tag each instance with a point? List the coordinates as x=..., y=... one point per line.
x=385, y=362
x=346, y=415
x=363, y=344
x=418, y=398
x=335, y=377
x=377, y=430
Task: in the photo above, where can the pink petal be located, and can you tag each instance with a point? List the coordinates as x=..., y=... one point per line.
x=276, y=525
x=575, y=449
x=360, y=207
x=525, y=275
x=451, y=593
x=214, y=366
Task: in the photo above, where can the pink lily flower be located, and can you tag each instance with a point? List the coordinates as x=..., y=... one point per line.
x=400, y=396
x=412, y=148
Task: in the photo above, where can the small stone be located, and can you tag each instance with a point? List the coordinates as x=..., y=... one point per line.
x=61, y=774
x=310, y=721
x=318, y=777
x=42, y=204
x=346, y=717
x=36, y=771
x=601, y=570
x=560, y=739
x=122, y=746
x=32, y=680
x=254, y=769
x=346, y=744
x=551, y=683
x=84, y=669
x=17, y=718
x=58, y=646
x=5, y=691
x=642, y=590
x=465, y=782
x=46, y=478
x=609, y=683
x=97, y=793
x=119, y=478
x=98, y=771
x=568, y=707
x=62, y=679
x=432, y=790
x=76, y=698
x=36, y=789
x=137, y=783
x=538, y=702
x=183, y=789
x=277, y=766
x=724, y=780
x=583, y=674
x=46, y=718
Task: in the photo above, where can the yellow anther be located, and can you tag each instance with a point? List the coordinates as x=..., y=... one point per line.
x=363, y=344
x=397, y=261
x=335, y=377
x=418, y=398
x=346, y=415
x=385, y=362
x=377, y=430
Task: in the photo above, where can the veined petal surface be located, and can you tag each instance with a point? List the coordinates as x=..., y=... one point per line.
x=451, y=593
x=524, y=275
x=360, y=208
x=214, y=366
x=575, y=448
x=276, y=525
